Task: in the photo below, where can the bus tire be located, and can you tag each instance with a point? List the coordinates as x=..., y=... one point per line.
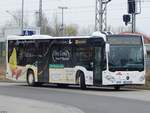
x=117, y=88
x=30, y=78
x=82, y=81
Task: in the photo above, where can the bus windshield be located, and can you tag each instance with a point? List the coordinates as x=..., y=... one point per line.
x=124, y=57
x=126, y=53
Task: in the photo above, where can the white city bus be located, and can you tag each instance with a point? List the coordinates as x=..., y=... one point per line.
x=95, y=60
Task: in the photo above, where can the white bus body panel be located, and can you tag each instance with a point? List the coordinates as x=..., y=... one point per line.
x=62, y=75
x=11, y=76
x=88, y=75
x=23, y=73
x=68, y=75
x=123, y=77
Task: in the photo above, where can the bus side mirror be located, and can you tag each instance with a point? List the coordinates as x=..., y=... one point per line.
x=145, y=52
x=107, y=48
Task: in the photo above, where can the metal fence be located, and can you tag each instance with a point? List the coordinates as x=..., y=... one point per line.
x=147, y=63
x=2, y=59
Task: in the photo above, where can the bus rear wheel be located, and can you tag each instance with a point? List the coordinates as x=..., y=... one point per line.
x=82, y=81
x=30, y=78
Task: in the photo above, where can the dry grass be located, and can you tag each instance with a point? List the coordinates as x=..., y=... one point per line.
x=2, y=73
x=148, y=73
x=2, y=77
x=147, y=84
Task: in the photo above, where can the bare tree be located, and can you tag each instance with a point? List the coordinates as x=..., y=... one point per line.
x=16, y=19
x=86, y=30
x=71, y=30
x=56, y=26
x=45, y=27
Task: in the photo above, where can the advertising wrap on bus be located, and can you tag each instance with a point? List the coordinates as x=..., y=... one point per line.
x=82, y=60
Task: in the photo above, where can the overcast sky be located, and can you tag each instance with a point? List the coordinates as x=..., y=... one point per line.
x=80, y=12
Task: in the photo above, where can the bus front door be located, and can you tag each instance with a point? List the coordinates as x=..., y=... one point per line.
x=97, y=72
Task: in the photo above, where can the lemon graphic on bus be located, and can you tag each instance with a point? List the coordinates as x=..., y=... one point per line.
x=13, y=64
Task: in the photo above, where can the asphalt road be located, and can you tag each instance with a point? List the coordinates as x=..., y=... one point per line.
x=92, y=100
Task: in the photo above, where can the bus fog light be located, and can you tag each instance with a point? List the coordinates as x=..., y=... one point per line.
x=142, y=78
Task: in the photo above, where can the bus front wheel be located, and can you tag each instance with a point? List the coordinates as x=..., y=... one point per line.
x=117, y=88
x=30, y=78
x=82, y=81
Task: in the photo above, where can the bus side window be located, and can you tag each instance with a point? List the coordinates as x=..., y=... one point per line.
x=61, y=54
x=67, y=55
x=21, y=55
x=54, y=54
x=43, y=48
x=84, y=57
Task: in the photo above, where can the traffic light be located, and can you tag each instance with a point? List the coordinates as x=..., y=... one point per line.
x=131, y=6
x=126, y=19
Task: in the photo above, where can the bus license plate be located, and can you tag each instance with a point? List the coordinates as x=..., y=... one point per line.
x=127, y=82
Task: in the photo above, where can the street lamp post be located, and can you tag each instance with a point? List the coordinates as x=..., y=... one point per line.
x=62, y=25
x=22, y=21
x=40, y=13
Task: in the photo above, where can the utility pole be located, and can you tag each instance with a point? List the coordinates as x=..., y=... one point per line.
x=133, y=22
x=134, y=8
x=40, y=13
x=62, y=25
x=98, y=15
x=101, y=15
x=22, y=20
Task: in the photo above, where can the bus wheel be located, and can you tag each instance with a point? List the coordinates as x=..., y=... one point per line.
x=82, y=81
x=117, y=88
x=30, y=78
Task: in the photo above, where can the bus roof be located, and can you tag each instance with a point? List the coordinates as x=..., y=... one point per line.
x=124, y=35
x=36, y=37
x=15, y=37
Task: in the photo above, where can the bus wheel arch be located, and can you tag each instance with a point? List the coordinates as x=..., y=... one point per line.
x=30, y=77
x=80, y=79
